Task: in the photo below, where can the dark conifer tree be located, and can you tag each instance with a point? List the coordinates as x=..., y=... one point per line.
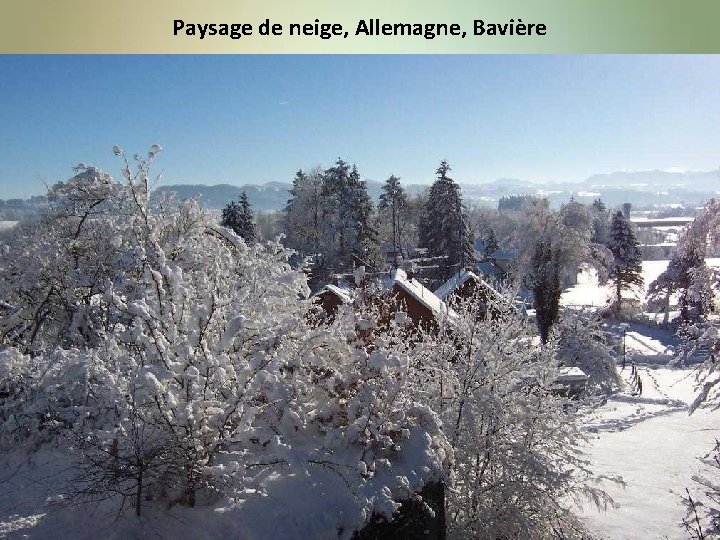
x=600, y=222
x=444, y=227
x=394, y=200
x=238, y=217
x=347, y=216
x=626, y=267
x=491, y=243
x=546, y=287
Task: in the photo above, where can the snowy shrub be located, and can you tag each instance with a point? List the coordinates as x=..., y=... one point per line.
x=703, y=517
x=176, y=363
x=517, y=458
x=700, y=345
x=583, y=343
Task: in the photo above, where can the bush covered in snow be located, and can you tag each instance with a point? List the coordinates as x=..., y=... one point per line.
x=582, y=342
x=518, y=460
x=174, y=362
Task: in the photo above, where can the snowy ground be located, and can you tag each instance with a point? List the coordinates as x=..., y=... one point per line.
x=588, y=293
x=652, y=444
x=649, y=442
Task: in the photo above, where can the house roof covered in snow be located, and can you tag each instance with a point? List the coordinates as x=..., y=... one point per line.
x=571, y=374
x=346, y=296
x=453, y=283
x=458, y=280
x=489, y=268
x=422, y=294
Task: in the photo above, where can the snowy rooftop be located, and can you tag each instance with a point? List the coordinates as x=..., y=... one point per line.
x=422, y=294
x=345, y=295
x=488, y=268
x=456, y=281
x=571, y=374
x=679, y=219
x=7, y=225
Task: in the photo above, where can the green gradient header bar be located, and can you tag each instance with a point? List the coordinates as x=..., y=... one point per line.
x=151, y=26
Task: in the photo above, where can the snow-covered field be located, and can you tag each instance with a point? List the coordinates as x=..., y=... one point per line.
x=587, y=292
x=651, y=444
x=648, y=444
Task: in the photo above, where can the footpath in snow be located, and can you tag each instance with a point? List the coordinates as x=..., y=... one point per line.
x=652, y=444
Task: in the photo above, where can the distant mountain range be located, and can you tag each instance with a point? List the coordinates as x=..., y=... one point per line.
x=269, y=196
x=641, y=188
x=689, y=180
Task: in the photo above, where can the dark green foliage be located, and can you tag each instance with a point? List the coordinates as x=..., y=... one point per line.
x=444, y=226
x=348, y=210
x=394, y=200
x=546, y=287
x=626, y=268
x=238, y=216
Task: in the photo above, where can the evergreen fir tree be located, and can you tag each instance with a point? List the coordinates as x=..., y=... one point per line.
x=626, y=267
x=394, y=200
x=365, y=241
x=302, y=213
x=238, y=217
x=303, y=226
x=491, y=243
x=444, y=226
x=347, y=217
x=546, y=286
x=600, y=222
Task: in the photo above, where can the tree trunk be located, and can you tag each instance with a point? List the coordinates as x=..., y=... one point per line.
x=666, y=317
x=138, y=489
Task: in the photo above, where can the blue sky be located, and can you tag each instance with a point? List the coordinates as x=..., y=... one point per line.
x=253, y=119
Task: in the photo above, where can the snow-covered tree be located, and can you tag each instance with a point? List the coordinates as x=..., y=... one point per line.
x=56, y=268
x=549, y=244
x=703, y=518
x=444, y=227
x=347, y=217
x=491, y=243
x=238, y=216
x=302, y=224
x=701, y=345
x=582, y=342
x=600, y=256
x=179, y=364
x=330, y=218
x=517, y=447
x=626, y=268
x=600, y=222
x=687, y=273
x=393, y=202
